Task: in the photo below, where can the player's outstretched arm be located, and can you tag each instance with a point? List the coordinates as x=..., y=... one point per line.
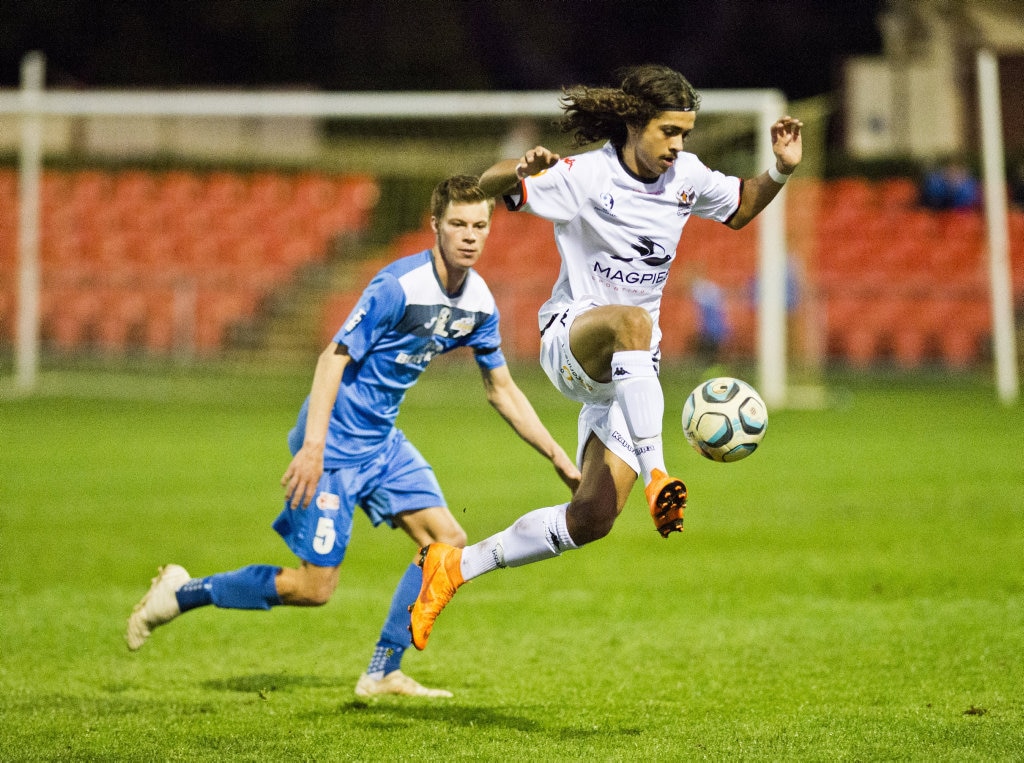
x=758, y=192
x=503, y=176
x=506, y=397
x=303, y=474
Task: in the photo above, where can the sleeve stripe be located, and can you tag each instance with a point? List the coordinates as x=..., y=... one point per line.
x=511, y=204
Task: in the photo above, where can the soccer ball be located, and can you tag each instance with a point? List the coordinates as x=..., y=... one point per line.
x=724, y=419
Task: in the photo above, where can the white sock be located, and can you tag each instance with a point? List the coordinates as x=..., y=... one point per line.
x=642, y=401
x=540, y=534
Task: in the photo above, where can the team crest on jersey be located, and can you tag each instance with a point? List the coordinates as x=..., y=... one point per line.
x=684, y=200
x=440, y=321
x=607, y=201
x=328, y=502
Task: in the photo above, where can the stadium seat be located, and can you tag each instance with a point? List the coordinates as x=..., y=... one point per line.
x=70, y=318
x=216, y=310
x=8, y=316
x=122, y=322
x=8, y=185
x=853, y=194
x=866, y=243
x=897, y=194
x=165, y=319
x=335, y=311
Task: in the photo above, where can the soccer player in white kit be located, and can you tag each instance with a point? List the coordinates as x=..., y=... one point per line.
x=618, y=212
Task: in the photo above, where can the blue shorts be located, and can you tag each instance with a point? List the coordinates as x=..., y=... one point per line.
x=397, y=479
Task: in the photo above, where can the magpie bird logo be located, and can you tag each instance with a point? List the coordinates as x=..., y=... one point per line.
x=651, y=252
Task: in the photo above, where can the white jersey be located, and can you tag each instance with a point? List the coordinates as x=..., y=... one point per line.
x=617, y=234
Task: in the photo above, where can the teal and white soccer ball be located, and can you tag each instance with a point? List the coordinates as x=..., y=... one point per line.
x=724, y=419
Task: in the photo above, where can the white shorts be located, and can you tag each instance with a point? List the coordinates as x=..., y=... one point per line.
x=601, y=415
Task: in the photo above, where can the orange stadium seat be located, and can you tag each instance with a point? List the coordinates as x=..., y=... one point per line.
x=122, y=321
x=335, y=311
x=8, y=315
x=216, y=311
x=70, y=318
x=867, y=246
x=164, y=318
x=898, y=193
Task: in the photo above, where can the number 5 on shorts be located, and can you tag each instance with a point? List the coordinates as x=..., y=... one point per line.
x=323, y=541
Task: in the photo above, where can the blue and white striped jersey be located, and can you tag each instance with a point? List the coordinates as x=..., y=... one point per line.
x=403, y=319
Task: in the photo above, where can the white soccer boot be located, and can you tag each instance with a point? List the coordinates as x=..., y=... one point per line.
x=158, y=606
x=396, y=682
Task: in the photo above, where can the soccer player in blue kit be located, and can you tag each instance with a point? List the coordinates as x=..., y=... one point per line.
x=618, y=212
x=348, y=452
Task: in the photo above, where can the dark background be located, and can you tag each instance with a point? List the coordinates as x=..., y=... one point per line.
x=795, y=45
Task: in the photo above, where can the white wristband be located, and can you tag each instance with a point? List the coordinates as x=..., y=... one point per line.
x=778, y=177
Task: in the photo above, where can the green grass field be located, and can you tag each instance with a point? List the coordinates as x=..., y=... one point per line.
x=854, y=591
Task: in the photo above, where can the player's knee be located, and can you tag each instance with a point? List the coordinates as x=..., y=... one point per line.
x=633, y=328
x=318, y=595
x=593, y=530
x=588, y=521
x=316, y=590
x=455, y=537
x=451, y=536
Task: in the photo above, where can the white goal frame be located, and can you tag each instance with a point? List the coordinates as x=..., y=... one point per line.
x=33, y=103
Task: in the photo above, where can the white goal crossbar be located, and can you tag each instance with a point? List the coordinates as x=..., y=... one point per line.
x=33, y=103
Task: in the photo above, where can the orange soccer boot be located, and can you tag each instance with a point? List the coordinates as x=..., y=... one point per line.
x=442, y=577
x=667, y=498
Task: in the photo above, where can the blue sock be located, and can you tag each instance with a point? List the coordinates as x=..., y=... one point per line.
x=251, y=587
x=395, y=637
x=195, y=593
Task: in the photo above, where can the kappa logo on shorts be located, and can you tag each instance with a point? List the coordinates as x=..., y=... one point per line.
x=328, y=502
x=622, y=440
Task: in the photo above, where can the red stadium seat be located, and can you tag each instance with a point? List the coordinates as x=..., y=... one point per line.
x=895, y=194
x=122, y=321
x=70, y=317
x=8, y=315
x=335, y=311
x=216, y=310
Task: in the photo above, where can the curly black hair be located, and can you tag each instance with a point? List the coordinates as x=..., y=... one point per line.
x=604, y=113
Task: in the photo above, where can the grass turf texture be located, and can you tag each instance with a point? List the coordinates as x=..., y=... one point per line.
x=853, y=591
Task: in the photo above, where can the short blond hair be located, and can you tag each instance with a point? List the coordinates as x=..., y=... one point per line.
x=458, y=189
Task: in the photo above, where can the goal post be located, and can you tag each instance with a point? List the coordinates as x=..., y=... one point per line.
x=33, y=104
x=994, y=173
